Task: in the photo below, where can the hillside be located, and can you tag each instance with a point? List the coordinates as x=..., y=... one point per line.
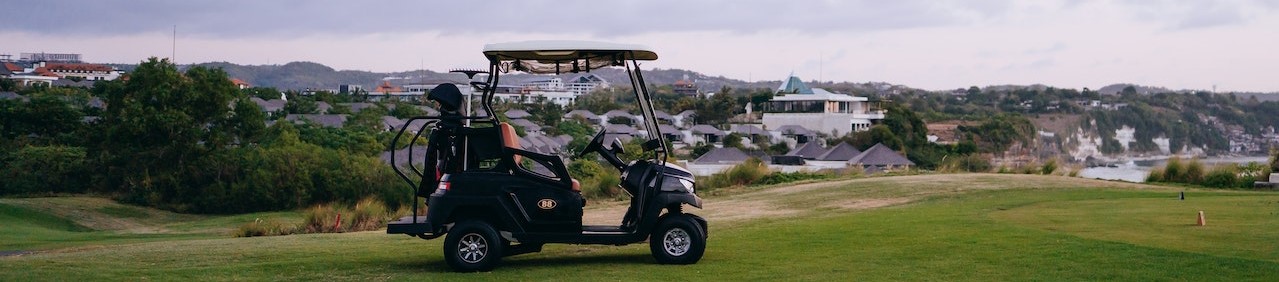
x=309, y=75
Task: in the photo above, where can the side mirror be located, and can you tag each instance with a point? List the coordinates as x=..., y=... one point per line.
x=617, y=147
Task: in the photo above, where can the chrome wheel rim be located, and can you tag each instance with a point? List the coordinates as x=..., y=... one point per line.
x=676, y=242
x=472, y=248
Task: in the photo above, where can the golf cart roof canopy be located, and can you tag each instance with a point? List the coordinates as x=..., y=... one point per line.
x=560, y=56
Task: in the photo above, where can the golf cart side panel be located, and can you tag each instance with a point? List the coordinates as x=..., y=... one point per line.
x=521, y=204
x=668, y=199
x=445, y=210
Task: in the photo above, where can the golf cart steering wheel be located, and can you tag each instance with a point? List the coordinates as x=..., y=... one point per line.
x=594, y=145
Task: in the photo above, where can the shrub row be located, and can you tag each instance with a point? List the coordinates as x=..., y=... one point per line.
x=755, y=172
x=252, y=179
x=1219, y=176
x=367, y=214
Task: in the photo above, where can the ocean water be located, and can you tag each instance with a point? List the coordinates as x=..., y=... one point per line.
x=1136, y=171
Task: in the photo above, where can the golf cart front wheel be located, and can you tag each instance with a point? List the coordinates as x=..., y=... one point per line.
x=678, y=239
x=473, y=246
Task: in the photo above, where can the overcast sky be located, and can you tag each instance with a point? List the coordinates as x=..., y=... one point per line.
x=1181, y=44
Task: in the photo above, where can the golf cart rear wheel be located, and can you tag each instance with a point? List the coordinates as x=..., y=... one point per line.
x=678, y=239
x=473, y=246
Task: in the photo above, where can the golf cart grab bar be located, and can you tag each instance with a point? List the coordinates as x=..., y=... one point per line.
x=395, y=143
x=552, y=163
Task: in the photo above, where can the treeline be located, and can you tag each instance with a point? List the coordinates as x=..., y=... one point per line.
x=976, y=104
x=189, y=142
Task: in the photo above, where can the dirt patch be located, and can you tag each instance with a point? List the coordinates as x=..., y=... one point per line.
x=875, y=192
x=14, y=253
x=744, y=209
x=861, y=204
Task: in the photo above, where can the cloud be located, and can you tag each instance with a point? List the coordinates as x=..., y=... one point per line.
x=600, y=18
x=1054, y=48
x=1179, y=15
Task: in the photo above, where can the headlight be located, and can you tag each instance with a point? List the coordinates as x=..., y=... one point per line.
x=675, y=184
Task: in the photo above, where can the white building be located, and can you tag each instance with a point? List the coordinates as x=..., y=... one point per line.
x=81, y=70
x=585, y=84
x=562, y=98
x=554, y=90
x=820, y=110
x=553, y=83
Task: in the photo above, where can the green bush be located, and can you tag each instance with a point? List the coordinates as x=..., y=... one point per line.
x=604, y=186
x=967, y=163
x=1029, y=168
x=1049, y=167
x=368, y=214
x=1223, y=176
x=745, y=173
x=1174, y=170
x=597, y=182
x=1156, y=175
x=43, y=169
x=1194, y=172
x=1252, y=172
x=1274, y=160
x=786, y=177
x=323, y=219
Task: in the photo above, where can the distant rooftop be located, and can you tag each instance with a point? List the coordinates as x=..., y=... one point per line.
x=794, y=85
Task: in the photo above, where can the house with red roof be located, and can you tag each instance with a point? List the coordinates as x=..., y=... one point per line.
x=81, y=70
x=239, y=83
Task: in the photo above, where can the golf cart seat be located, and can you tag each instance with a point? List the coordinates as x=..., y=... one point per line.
x=512, y=140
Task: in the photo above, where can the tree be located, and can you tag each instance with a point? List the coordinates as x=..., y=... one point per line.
x=45, y=119
x=906, y=125
x=7, y=84
x=299, y=104
x=247, y=121
x=545, y=113
x=1129, y=90
x=602, y=101
x=406, y=110
x=878, y=134
x=264, y=93
x=718, y=108
x=158, y=123
x=733, y=140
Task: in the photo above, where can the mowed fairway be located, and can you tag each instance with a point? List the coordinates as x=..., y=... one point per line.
x=932, y=227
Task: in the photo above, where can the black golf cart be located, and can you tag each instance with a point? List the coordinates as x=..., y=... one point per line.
x=493, y=199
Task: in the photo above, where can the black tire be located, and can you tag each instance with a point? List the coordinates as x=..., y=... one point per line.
x=473, y=246
x=678, y=239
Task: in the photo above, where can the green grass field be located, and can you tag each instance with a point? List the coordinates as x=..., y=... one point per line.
x=932, y=227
